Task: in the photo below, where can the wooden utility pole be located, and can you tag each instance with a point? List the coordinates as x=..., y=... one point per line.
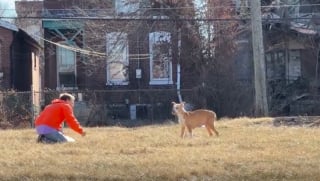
x=261, y=104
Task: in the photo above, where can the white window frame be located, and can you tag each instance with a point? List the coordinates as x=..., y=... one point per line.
x=156, y=38
x=60, y=57
x=120, y=40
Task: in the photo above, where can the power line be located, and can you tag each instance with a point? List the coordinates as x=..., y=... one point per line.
x=159, y=19
x=125, y=19
x=88, y=52
x=192, y=7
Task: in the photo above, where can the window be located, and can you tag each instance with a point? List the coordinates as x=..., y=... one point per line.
x=160, y=58
x=294, y=65
x=275, y=65
x=126, y=6
x=293, y=8
x=34, y=60
x=36, y=82
x=117, y=58
x=66, y=68
x=242, y=7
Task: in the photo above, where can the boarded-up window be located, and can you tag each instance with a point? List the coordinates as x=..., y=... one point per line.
x=160, y=58
x=117, y=58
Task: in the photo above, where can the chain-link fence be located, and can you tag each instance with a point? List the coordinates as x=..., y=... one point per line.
x=124, y=107
x=93, y=107
x=141, y=106
x=16, y=110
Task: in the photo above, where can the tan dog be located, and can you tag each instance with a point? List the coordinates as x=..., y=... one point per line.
x=193, y=119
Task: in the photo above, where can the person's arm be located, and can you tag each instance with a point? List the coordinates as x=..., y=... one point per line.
x=71, y=120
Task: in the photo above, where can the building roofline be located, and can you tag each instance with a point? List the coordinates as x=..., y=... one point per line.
x=8, y=25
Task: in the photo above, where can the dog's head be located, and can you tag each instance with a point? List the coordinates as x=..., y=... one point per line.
x=177, y=108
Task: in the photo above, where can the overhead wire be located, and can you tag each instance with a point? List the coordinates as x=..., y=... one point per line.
x=192, y=7
x=85, y=51
x=144, y=56
x=143, y=8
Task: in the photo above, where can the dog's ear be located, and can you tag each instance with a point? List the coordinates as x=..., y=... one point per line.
x=173, y=103
x=183, y=103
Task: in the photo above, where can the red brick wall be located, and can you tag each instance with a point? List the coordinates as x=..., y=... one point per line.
x=6, y=38
x=50, y=66
x=138, y=37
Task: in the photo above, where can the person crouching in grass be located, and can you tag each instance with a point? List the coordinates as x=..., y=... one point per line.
x=49, y=123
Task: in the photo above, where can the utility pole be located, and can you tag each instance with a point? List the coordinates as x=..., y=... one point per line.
x=261, y=104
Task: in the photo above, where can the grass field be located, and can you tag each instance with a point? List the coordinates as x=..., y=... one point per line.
x=247, y=149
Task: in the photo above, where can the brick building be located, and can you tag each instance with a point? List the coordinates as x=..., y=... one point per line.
x=19, y=58
x=116, y=45
x=110, y=26
x=7, y=32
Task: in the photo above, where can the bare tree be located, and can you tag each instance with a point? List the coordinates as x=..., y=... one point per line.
x=217, y=84
x=208, y=49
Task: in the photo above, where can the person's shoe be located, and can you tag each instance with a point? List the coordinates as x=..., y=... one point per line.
x=40, y=138
x=43, y=139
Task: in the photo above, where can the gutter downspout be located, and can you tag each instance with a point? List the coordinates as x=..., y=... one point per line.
x=178, y=66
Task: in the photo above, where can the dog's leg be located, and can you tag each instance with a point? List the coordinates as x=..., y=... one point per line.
x=215, y=131
x=190, y=131
x=209, y=129
x=213, y=128
x=183, y=127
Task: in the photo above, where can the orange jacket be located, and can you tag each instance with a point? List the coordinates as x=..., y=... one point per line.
x=56, y=113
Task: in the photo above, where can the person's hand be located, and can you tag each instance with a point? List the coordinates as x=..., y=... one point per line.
x=83, y=133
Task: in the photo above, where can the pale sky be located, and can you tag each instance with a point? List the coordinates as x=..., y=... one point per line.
x=7, y=8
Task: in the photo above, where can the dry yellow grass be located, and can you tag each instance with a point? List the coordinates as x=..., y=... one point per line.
x=248, y=149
